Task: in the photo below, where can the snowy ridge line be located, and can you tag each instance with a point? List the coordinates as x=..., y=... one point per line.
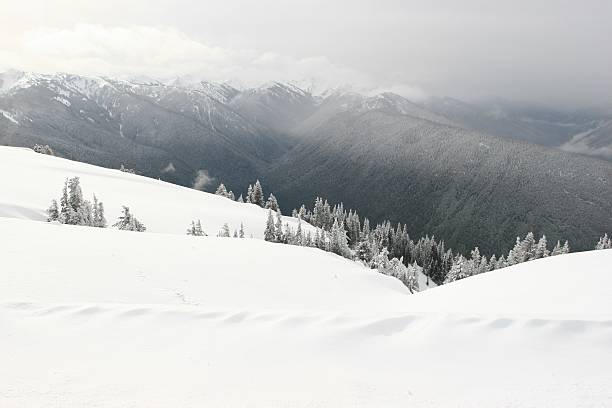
x=390, y=320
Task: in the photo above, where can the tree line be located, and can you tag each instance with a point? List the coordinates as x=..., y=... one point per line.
x=383, y=247
x=344, y=232
x=74, y=209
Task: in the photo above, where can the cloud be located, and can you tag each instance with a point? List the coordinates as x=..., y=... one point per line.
x=169, y=168
x=202, y=180
x=544, y=51
x=163, y=52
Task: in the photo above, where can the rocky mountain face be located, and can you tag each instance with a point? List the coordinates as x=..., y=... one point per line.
x=469, y=174
x=167, y=131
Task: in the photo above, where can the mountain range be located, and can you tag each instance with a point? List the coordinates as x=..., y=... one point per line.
x=472, y=174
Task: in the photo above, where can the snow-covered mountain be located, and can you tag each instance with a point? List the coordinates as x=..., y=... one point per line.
x=146, y=125
x=109, y=318
x=409, y=159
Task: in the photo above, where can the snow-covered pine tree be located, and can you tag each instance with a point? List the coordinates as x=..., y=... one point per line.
x=557, y=250
x=270, y=231
x=492, y=263
x=75, y=200
x=412, y=281
x=278, y=232
x=308, y=240
x=192, y=229
x=603, y=243
x=196, y=229
x=225, y=231
x=249, y=196
x=99, y=219
x=303, y=213
x=199, y=229
x=516, y=254
x=287, y=236
x=257, y=196
x=380, y=260
x=541, y=250
x=475, y=258
x=241, y=234
x=64, y=205
x=566, y=248
x=231, y=196
x=299, y=238
x=501, y=263
x=222, y=191
x=528, y=246
x=272, y=203
x=457, y=271
x=235, y=233
x=364, y=250
x=53, y=212
x=128, y=222
x=240, y=199
x=339, y=242
x=85, y=214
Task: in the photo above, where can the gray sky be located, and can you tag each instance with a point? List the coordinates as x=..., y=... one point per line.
x=554, y=52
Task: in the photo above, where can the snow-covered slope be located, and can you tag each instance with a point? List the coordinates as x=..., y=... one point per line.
x=30, y=181
x=108, y=318
x=111, y=318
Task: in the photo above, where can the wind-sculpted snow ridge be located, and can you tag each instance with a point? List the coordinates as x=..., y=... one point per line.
x=32, y=180
x=107, y=318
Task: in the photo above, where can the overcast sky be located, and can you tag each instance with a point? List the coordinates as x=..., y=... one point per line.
x=544, y=51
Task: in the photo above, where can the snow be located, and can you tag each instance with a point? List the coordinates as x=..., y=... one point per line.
x=8, y=79
x=61, y=100
x=162, y=207
x=9, y=116
x=108, y=318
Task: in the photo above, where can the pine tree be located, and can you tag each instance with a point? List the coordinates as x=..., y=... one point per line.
x=492, y=263
x=528, y=246
x=222, y=191
x=241, y=230
x=270, y=231
x=249, y=195
x=225, y=231
x=278, y=232
x=557, y=250
x=516, y=254
x=85, y=214
x=240, y=199
x=231, y=196
x=196, y=229
x=75, y=201
x=257, y=196
x=299, y=237
x=272, y=203
x=99, y=220
x=235, y=233
x=541, y=250
x=566, y=248
x=339, y=243
x=53, y=212
x=128, y=222
x=603, y=243
x=65, y=209
x=381, y=260
x=457, y=271
x=364, y=251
